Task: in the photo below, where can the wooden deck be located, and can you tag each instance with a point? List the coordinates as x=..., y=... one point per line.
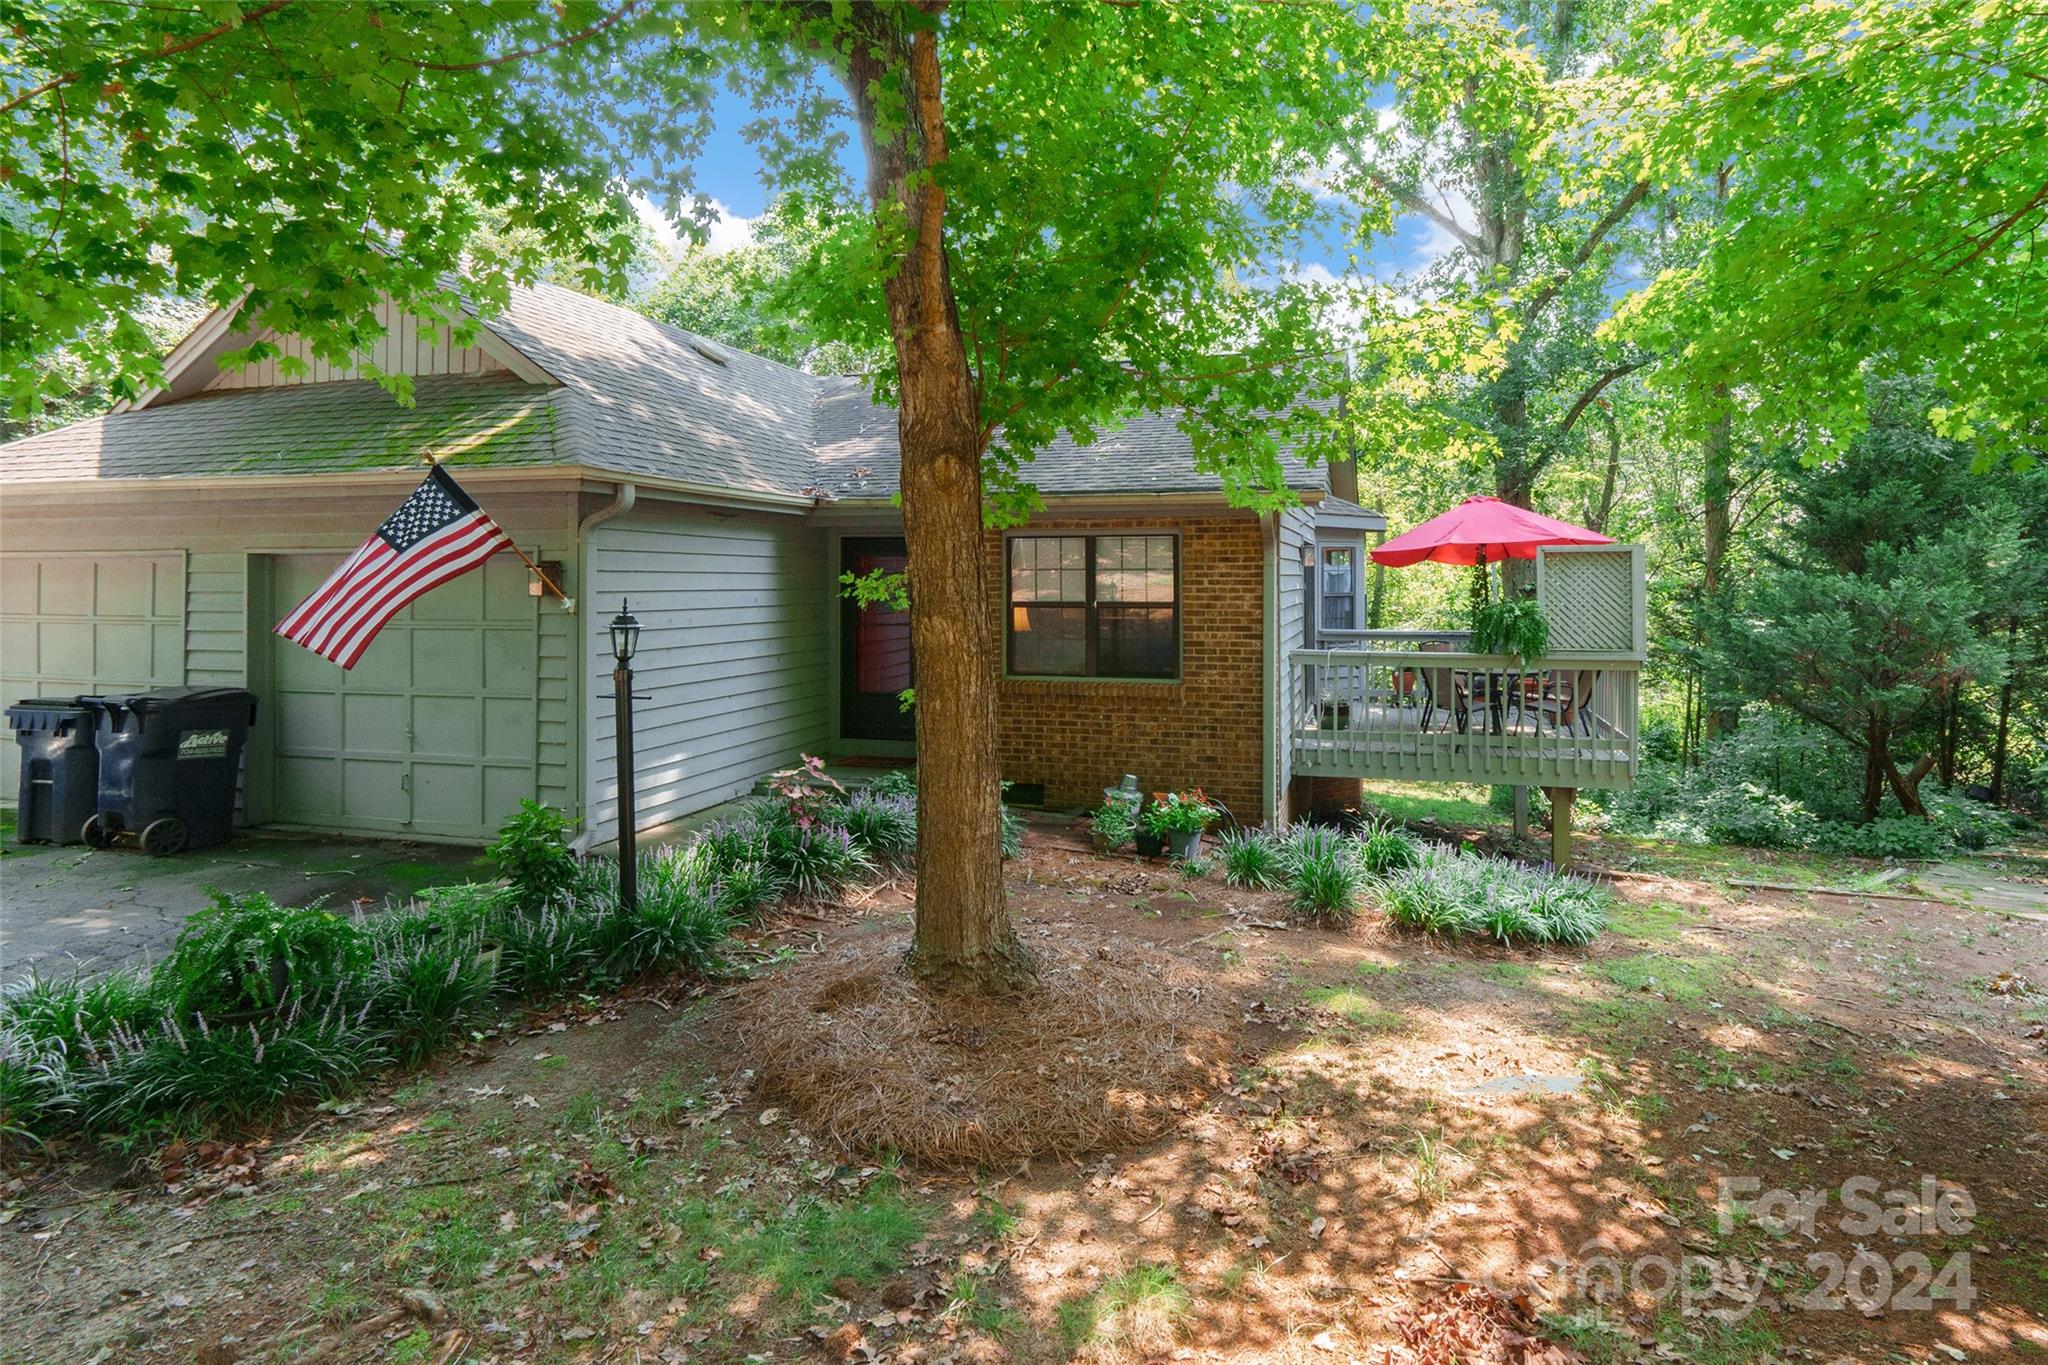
x=1453, y=716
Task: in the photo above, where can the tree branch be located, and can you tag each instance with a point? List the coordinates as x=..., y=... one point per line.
x=1621, y=210
x=1585, y=399
x=1412, y=198
x=169, y=49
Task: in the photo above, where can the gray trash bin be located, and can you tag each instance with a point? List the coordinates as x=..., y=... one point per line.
x=169, y=762
x=60, y=769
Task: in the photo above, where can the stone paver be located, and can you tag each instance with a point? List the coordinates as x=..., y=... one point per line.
x=114, y=907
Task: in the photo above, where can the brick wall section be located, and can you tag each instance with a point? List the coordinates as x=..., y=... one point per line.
x=1079, y=736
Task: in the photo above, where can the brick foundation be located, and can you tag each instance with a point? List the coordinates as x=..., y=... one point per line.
x=1205, y=729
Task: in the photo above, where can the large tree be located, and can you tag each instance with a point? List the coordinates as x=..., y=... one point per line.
x=1886, y=191
x=1529, y=250
x=1870, y=611
x=1060, y=202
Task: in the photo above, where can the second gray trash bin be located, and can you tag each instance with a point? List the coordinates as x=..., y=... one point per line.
x=59, y=769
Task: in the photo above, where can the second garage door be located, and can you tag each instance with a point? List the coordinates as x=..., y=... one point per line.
x=433, y=733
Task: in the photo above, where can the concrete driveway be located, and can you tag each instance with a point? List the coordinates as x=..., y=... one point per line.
x=106, y=909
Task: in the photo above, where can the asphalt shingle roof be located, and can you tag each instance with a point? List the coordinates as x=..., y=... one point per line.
x=857, y=455
x=348, y=427
x=635, y=398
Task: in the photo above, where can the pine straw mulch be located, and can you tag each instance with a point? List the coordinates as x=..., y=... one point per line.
x=1469, y=1324
x=1103, y=1052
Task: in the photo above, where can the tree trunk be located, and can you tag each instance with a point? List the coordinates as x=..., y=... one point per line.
x=1874, y=760
x=963, y=934
x=1717, y=496
x=1906, y=786
x=1999, y=745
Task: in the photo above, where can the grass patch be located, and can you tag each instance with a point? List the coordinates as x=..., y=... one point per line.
x=1446, y=803
x=1681, y=980
x=1137, y=1310
x=1356, y=1008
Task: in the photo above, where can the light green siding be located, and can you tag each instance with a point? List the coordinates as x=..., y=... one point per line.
x=217, y=619
x=734, y=655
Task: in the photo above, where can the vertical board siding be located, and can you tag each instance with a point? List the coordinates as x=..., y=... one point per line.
x=557, y=775
x=408, y=346
x=1297, y=532
x=734, y=656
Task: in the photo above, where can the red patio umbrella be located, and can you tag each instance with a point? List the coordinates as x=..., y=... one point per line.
x=1499, y=529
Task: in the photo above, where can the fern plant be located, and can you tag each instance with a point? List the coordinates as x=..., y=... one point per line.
x=1516, y=626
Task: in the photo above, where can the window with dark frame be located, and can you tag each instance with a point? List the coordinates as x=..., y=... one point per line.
x=1105, y=606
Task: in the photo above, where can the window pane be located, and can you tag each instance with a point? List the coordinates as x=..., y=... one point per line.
x=1048, y=568
x=1134, y=569
x=1339, y=588
x=1134, y=642
x=1048, y=640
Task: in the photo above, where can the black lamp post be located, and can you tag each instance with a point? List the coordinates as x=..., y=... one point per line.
x=625, y=630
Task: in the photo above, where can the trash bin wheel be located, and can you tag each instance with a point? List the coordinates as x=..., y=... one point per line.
x=162, y=838
x=97, y=832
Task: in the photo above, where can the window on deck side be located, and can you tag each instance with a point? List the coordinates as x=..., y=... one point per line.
x=1094, y=606
x=1339, y=595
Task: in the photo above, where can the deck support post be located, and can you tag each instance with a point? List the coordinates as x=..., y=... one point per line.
x=1561, y=799
x=1521, y=812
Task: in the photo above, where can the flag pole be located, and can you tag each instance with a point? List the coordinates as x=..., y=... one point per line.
x=536, y=569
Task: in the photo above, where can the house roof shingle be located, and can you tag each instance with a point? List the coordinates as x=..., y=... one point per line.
x=636, y=398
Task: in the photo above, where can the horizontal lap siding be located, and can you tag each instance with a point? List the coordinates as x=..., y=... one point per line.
x=1297, y=531
x=217, y=619
x=734, y=660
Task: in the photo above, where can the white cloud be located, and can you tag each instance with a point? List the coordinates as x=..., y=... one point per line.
x=727, y=229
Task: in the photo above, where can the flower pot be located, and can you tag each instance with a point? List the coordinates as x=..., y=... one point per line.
x=1150, y=845
x=1184, y=844
x=1103, y=843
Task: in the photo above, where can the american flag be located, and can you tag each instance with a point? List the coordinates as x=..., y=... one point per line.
x=437, y=534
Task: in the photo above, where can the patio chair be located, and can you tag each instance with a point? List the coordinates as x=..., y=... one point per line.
x=1440, y=688
x=1568, y=699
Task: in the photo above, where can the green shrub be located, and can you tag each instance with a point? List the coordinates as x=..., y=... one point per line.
x=1253, y=858
x=546, y=951
x=69, y=1011
x=1447, y=891
x=743, y=888
x=884, y=826
x=1010, y=832
x=194, y=1074
x=1323, y=877
x=678, y=920
x=1385, y=847
x=228, y=957
x=426, y=983
x=1893, y=837
x=36, y=1093
x=895, y=782
x=532, y=853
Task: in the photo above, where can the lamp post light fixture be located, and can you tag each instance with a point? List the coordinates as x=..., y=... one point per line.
x=625, y=630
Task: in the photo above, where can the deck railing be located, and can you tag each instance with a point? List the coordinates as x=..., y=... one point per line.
x=1445, y=715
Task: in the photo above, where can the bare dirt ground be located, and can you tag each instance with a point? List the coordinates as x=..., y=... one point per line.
x=1402, y=1118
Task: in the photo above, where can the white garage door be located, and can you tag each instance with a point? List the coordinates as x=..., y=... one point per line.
x=433, y=732
x=71, y=624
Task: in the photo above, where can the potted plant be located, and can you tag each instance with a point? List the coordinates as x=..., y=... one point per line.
x=1516, y=626
x=1112, y=826
x=1150, y=842
x=1178, y=818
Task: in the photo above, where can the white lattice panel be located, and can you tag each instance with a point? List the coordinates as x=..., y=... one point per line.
x=1593, y=600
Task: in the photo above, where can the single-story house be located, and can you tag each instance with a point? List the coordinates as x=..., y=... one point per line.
x=1145, y=624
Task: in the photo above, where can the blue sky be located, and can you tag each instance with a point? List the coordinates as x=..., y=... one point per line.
x=729, y=172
